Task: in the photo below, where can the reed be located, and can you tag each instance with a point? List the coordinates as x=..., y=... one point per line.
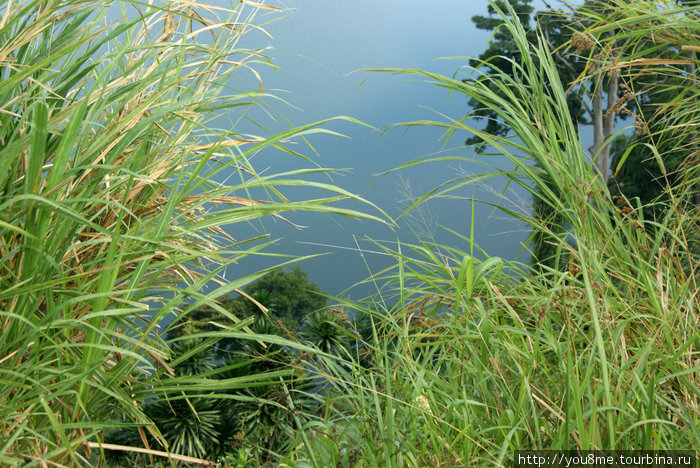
x=111, y=217
x=471, y=357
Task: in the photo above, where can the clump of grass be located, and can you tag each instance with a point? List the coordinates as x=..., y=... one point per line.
x=111, y=221
x=469, y=362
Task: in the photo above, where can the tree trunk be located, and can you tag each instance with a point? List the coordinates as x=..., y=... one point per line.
x=598, y=128
x=603, y=121
x=609, y=124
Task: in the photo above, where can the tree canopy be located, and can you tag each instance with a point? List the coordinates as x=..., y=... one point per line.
x=289, y=295
x=598, y=93
x=282, y=295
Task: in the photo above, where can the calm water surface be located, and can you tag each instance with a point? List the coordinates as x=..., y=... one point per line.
x=320, y=47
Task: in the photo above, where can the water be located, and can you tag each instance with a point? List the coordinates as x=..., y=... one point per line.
x=319, y=47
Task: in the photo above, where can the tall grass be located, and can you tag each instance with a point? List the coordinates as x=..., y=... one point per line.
x=111, y=221
x=471, y=360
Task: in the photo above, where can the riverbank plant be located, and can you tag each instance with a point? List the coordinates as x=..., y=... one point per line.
x=124, y=170
x=119, y=132
x=472, y=357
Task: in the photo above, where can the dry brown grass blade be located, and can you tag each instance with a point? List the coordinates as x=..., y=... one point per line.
x=205, y=6
x=158, y=453
x=8, y=104
x=162, y=362
x=251, y=299
x=46, y=463
x=235, y=142
x=261, y=6
x=546, y=405
x=8, y=13
x=649, y=61
x=226, y=200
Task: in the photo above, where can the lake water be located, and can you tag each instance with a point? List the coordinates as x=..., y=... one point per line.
x=320, y=46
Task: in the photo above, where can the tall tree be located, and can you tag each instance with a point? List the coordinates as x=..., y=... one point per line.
x=498, y=54
x=289, y=295
x=658, y=73
x=597, y=97
x=502, y=56
x=285, y=295
x=592, y=102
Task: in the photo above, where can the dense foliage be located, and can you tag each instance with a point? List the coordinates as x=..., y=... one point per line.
x=112, y=226
x=257, y=422
x=112, y=222
x=473, y=359
x=285, y=298
x=595, y=105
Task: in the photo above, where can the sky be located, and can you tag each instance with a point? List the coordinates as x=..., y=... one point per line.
x=321, y=48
